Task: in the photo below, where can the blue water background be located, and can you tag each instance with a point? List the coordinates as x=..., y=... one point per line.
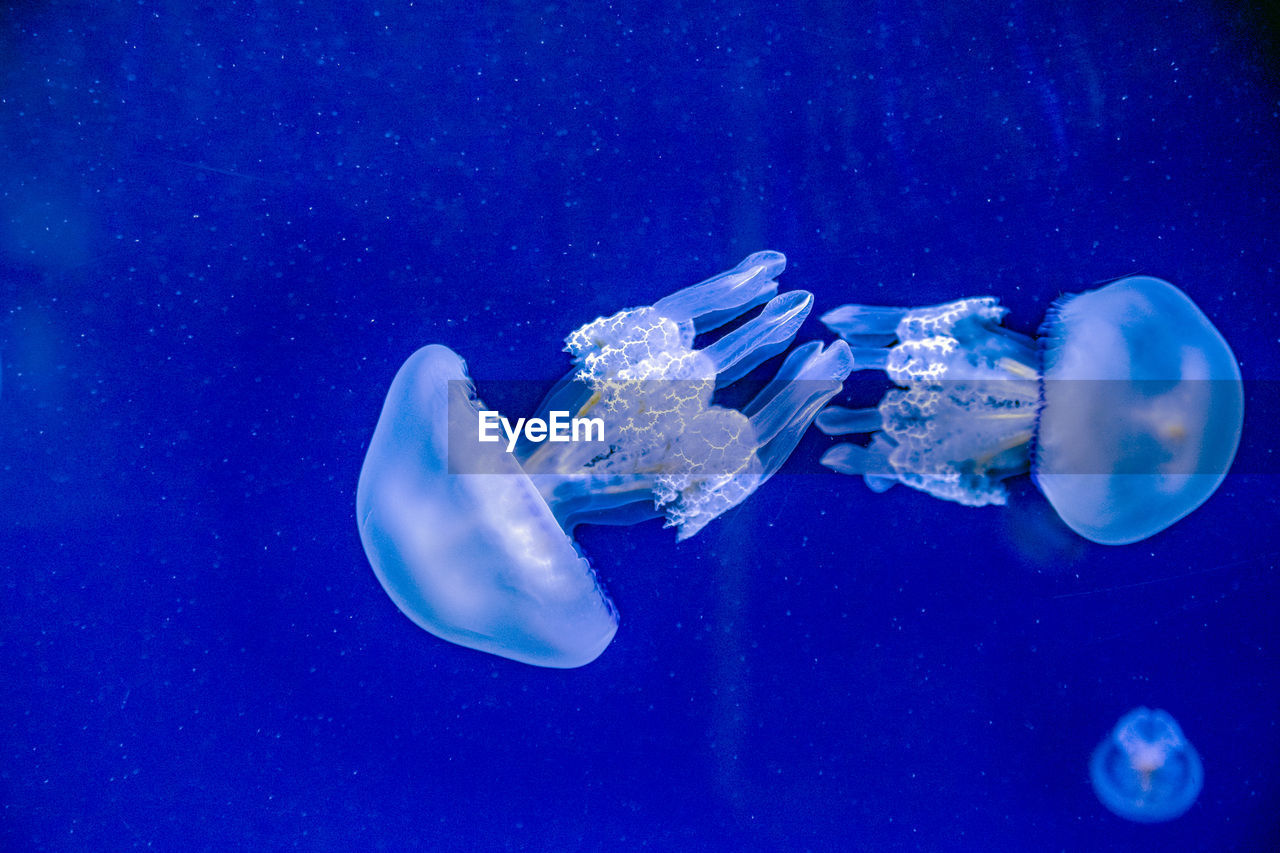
x=223, y=227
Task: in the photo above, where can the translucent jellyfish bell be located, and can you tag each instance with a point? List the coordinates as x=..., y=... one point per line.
x=472, y=538
x=1145, y=770
x=1137, y=382
x=1128, y=413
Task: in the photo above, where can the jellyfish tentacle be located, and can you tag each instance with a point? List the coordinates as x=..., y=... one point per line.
x=837, y=420
x=813, y=374
x=569, y=394
x=864, y=321
x=869, y=461
x=760, y=338
x=627, y=500
x=638, y=371
x=787, y=372
x=869, y=358
x=963, y=417
x=712, y=303
x=781, y=419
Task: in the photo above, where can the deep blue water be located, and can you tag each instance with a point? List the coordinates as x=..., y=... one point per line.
x=224, y=226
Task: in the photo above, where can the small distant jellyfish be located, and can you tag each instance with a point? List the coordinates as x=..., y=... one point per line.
x=1127, y=410
x=472, y=538
x=1145, y=770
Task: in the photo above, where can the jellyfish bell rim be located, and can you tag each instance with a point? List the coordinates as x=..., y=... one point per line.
x=1089, y=361
x=443, y=545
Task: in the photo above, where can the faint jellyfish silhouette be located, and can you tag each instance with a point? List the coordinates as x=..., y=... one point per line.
x=1127, y=412
x=472, y=540
x=1145, y=770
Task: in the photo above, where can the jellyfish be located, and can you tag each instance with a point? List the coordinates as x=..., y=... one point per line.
x=1145, y=770
x=1126, y=411
x=473, y=538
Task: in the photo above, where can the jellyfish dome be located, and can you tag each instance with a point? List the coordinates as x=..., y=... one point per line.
x=467, y=519
x=1145, y=770
x=1142, y=409
x=1127, y=411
